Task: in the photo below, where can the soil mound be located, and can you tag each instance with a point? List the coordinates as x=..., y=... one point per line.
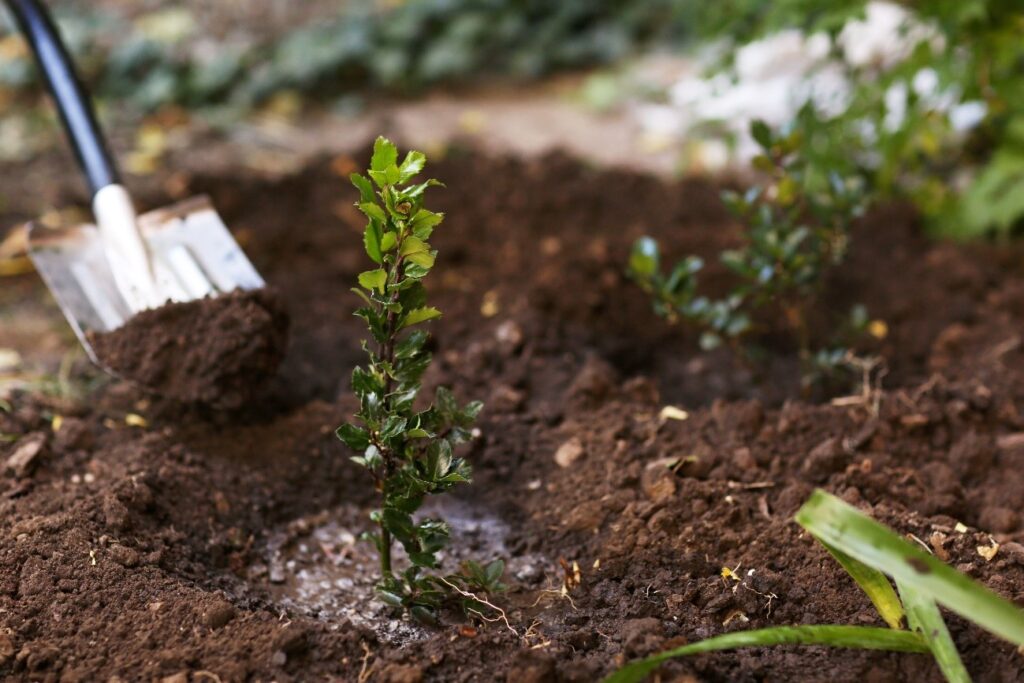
x=217, y=351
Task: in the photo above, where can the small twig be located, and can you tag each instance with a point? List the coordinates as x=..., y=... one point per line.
x=751, y=486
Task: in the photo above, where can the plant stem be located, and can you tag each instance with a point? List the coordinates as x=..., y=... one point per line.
x=385, y=552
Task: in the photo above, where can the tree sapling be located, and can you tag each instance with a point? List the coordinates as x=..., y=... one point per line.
x=797, y=226
x=410, y=453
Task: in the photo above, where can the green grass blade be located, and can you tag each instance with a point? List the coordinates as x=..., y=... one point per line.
x=875, y=584
x=924, y=618
x=843, y=527
x=858, y=637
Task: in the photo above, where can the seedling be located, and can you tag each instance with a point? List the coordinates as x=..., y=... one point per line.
x=410, y=453
x=797, y=226
x=869, y=551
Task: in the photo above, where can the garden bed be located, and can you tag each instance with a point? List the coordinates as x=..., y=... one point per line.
x=190, y=541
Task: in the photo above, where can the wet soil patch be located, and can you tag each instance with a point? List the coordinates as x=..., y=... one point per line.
x=200, y=542
x=216, y=351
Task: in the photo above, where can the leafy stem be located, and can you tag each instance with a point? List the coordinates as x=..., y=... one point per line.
x=410, y=453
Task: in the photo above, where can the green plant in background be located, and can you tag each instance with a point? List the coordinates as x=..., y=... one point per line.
x=899, y=124
x=403, y=47
x=869, y=551
x=797, y=224
x=410, y=453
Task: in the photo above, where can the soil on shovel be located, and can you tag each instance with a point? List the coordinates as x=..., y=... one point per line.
x=215, y=351
x=196, y=545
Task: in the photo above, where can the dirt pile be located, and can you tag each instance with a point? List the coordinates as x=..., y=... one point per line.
x=215, y=351
x=163, y=548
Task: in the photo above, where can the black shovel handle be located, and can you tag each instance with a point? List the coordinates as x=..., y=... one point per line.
x=72, y=100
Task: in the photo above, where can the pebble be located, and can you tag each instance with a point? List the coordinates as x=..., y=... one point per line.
x=7, y=648
x=569, y=452
x=124, y=556
x=23, y=459
x=658, y=482
x=115, y=513
x=401, y=673
x=218, y=614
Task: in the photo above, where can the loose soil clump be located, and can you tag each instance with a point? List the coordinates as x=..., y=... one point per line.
x=215, y=351
x=225, y=544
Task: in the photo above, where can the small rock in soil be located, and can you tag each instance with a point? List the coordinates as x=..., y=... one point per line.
x=7, y=648
x=998, y=519
x=827, y=457
x=569, y=452
x=22, y=460
x=115, y=514
x=124, y=556
x=401, y=673
x=594, y=382
x=293, y=640
x=641, y=636
x=218, y=614
x=532, y=667
x=74, y=434
x=509, y=336
x=658, y=482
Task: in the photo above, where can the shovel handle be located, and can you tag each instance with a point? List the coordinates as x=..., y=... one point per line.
x=72, y=100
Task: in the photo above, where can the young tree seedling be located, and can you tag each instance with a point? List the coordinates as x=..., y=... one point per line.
x=797, y=226
x=410, y=453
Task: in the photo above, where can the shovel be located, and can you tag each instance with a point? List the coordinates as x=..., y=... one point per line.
x=101, y=275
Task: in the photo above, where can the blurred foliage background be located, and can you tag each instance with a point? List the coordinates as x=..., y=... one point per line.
x=937, y=119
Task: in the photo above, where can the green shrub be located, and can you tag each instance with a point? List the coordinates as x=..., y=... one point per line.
x=410, y=453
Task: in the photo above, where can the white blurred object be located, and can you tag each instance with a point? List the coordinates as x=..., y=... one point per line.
x=775, y=76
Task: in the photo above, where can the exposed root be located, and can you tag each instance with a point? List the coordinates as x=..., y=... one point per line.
x=365, y=671
x=483, y=601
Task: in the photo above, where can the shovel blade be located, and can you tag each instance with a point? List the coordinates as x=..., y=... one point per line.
x=193, y=255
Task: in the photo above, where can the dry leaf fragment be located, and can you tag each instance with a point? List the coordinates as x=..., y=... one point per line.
x=989, y=551
x=135, y=420
x=673, y=413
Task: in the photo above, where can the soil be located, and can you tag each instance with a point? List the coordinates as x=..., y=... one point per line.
x=215, y=351
x=200, y=545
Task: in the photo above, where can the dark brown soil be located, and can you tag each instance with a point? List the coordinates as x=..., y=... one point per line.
x=216, y=351
x=214, y=542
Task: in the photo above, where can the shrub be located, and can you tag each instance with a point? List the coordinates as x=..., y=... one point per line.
x=410, y=453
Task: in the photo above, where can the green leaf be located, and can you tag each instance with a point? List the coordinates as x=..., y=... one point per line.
x=424, y=222
x=925, y=619
x=419, y=315
x=388, y=242
x=385, y=154
x=413, y=245
x=845, y=528
x=413, y=164
x=374, y=279
x=877, y=587
x=365, y=187
x=761, y=133
x=856, y=637
x=354, y=437
x=494, y=571
x=411, y=345
x=644, y=259
x=373, y=210
x=371, y=241
x=424, y=259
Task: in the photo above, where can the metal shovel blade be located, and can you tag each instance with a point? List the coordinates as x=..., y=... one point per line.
x=193, y=255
